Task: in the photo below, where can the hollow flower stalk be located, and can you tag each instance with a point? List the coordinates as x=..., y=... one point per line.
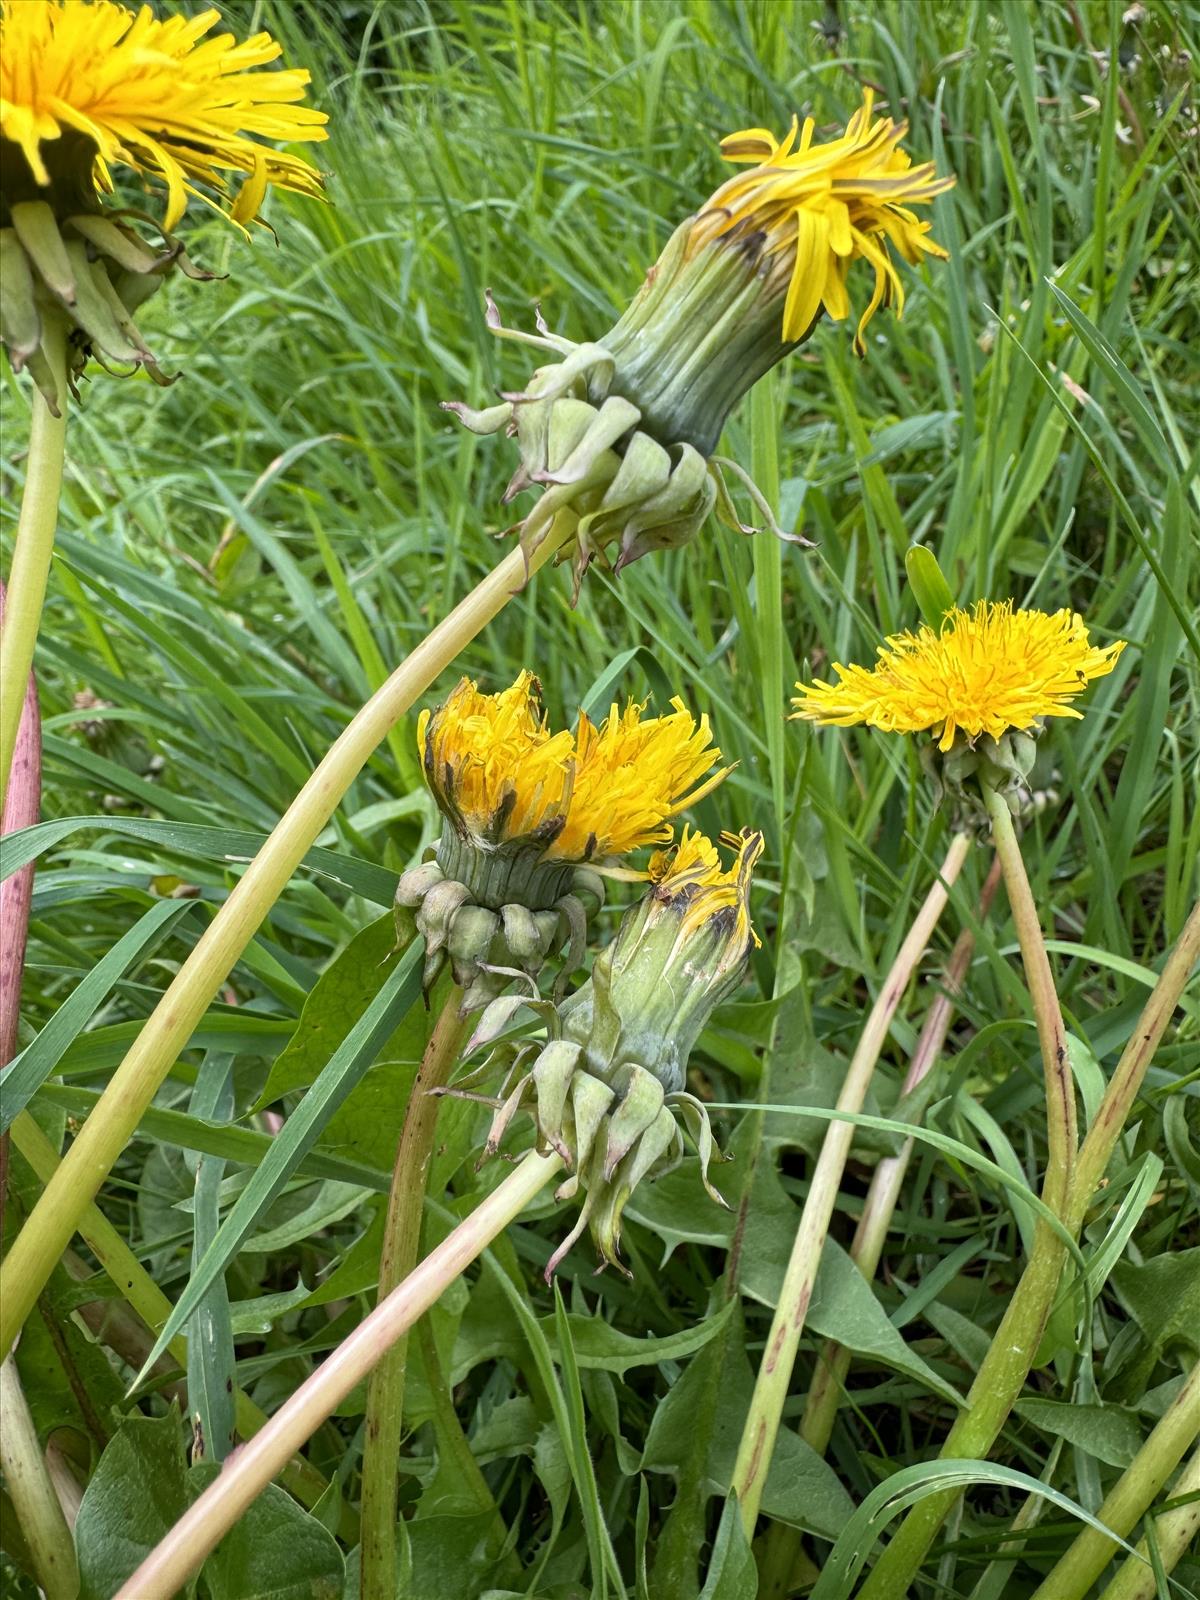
x=88, y=87
x=608, y=1090
x=528, y=815
x=621, y=432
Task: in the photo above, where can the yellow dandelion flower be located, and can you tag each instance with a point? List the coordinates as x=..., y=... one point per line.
x=986, y=671
x=500, y=774
x=91, y=81
x=821, y=207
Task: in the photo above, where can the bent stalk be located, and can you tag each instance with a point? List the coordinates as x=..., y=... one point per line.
x=169, y=1027
x=774, y=1376
x=384, y=1429
x=245, y=1475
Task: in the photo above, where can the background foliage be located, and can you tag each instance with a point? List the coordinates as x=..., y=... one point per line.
x=243, y=557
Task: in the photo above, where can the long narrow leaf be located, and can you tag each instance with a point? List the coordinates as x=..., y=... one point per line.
x=39, y=1059
x=301, y=1131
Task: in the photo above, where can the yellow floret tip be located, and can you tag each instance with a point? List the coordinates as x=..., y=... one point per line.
x=157, y=96
x=985, y=671
x=824, y=206
x=499, y=772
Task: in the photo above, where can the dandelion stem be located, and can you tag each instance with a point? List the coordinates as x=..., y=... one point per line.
x=1010, y=1355
x=1174, y=1531
x=884, y=1192
x=143, y=1295
x=1133, y=1493
x=33, y=548
x=774, y=1376
x=398, y=1256
x=245, y=1475
x=167, y=1030
x=43, y=1524
x=782, y=1551
x=1052, y=1035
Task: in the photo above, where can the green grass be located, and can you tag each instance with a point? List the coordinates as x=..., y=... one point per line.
x=244, y=556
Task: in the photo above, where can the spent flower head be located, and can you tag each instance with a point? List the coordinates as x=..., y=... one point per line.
x=608, y=1090
x=620, y=433
x=980, y=686
x=90, y=86
x=529, y=811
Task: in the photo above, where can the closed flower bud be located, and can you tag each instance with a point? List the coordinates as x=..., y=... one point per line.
x=607, y=1092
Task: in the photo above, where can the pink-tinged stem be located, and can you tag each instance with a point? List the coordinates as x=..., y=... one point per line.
x=249, y=1470
x=22, y=805
x=775, y=1374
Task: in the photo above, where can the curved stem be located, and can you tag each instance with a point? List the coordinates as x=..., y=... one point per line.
x=33, y=548
x=1174, y=1531
x=167, y=1030
x=1133, y=1493
x=245, y=1475
x=401, y=1239
x=1010, y=1355
x=47, y=1536
x=775, y=1374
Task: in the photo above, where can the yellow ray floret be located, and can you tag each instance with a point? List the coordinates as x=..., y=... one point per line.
x=499, y=772
x=692, y=877
x=824, y=206
x=157, y=96
x=987, y=670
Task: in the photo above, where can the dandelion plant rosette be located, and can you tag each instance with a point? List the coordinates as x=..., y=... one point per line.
x=88, y=87
x=620, y=432
x=528, y=816
x=978, y=690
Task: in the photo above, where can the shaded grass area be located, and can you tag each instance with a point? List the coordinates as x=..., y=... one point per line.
x=243, y=558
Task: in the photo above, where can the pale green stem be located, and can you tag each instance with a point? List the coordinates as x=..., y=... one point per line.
x=1133, y=1494
x=775, y=1373
x=384, y=1430
x=170, y=1025
x=33, y=548
x=1174, y=1532
x=879, y=1207
x=1061, y=1137
x=781, y=1555
x=1126, y=1081
x=140, y=1291
x=245, y=1475
x=1010, y=1355
x=27, y=1478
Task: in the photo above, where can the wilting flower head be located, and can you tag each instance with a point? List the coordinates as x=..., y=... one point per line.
x=621, y=432
x=610, y=1083
x=980, y=685
x=814, y=209
x=528, y=810
x=87, y=86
